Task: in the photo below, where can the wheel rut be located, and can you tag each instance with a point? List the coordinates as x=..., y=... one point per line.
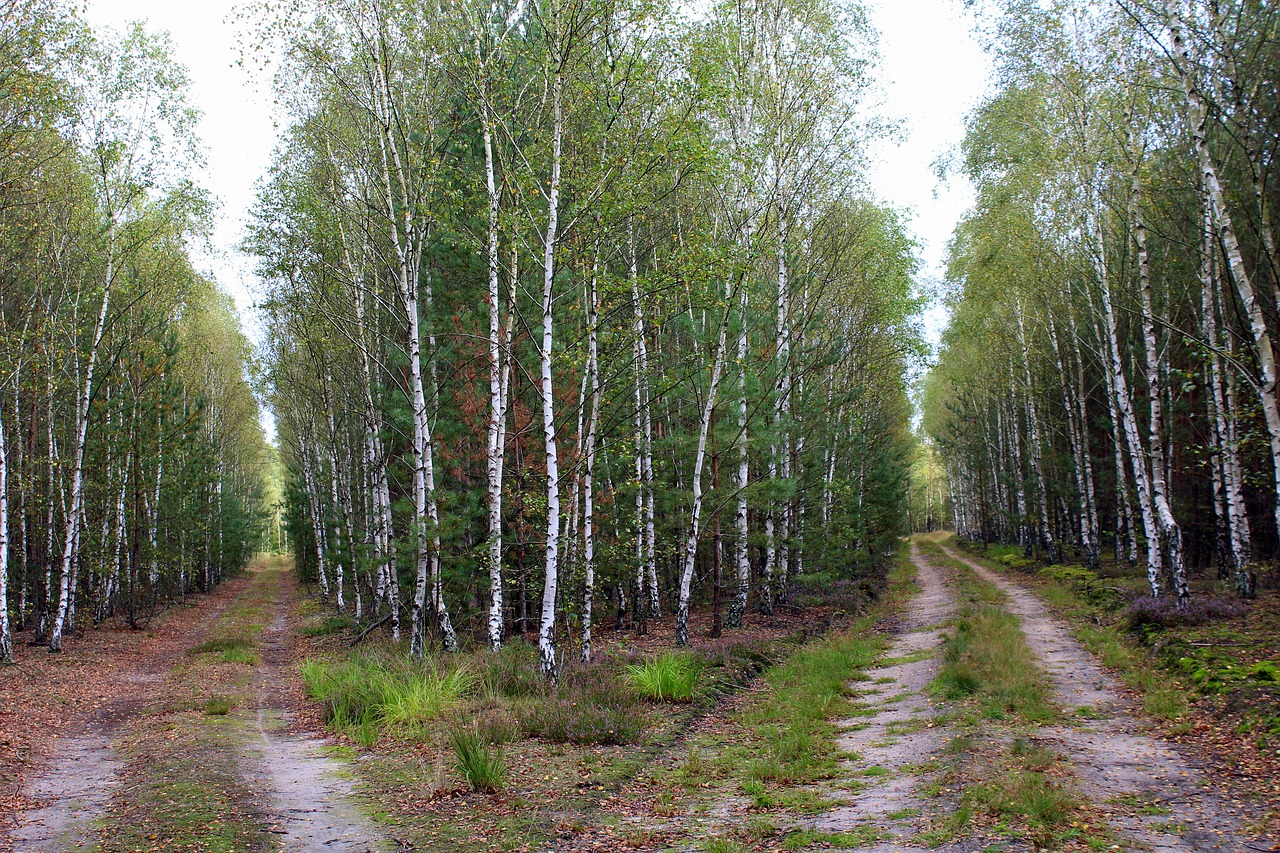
x=300, y=794
x=896, y=736
x=310, y=800
x=1151, y=793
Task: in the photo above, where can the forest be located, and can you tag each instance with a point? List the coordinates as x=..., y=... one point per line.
x=1108, y=377
x=581, y=307
x=588, y=474
x=132, y=466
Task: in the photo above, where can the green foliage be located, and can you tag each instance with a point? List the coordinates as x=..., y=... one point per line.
x=368, y=695
x=482, y=766
x=670, y=677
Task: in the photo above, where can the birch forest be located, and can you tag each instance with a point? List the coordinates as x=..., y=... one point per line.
x=601, y=426
x=132, y=466
x=580, y=311
x=1108, y=381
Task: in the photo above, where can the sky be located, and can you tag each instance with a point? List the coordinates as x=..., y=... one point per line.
x=931, y=73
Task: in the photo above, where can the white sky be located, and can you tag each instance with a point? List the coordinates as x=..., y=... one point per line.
x=932, y=72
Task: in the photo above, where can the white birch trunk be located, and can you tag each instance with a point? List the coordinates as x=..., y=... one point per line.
x=6, y=632
x=1266, y=384
x=547, y=621
x=741, y=557
x=1170, y=532
x=704, y=428
x=497, y=402
x=588, y=512
x=72, y=519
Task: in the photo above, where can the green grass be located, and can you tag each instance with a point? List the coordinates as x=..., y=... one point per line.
x=368, y=695
x=1096, y=623
x=482, y=766
x=219, y=706
x=331, y=624
x=245, y=656
x=1029, y=797
x=986, y=656
x=670, y=677
x=1001, y=694
x=224, y=645
x=861, y=836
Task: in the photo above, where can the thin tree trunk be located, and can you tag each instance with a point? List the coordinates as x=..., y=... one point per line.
x=1266, y=384
x=546, y=628
x=72, y=519
x=691, y=543
x=1170, y=532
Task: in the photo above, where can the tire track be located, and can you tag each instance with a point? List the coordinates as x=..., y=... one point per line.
x=1148, y=790
x=310, y=799
x=898, y=739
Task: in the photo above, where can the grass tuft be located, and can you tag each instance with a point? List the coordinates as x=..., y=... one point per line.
x=220, y=644
x=482, y=766
x=332, y=624
x=671, y=677
x=366, y=695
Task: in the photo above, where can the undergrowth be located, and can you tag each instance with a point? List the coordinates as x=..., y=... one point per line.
x=670, y=677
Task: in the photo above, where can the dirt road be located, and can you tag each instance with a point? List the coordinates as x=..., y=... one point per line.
x=201, y=753
x=1149, y=795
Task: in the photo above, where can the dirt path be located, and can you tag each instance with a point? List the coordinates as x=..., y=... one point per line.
x=298, y=794
x=71, y=787
x=312, y=801
x=898, y=738
x=1148, y=791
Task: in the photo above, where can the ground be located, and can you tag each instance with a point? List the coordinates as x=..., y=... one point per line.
x=958, y=712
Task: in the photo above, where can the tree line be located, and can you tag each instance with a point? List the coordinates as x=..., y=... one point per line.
x=1109, y=371
x=131, y=456
x=580, y=305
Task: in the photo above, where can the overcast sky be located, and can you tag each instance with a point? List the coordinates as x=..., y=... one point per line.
x=932, y=72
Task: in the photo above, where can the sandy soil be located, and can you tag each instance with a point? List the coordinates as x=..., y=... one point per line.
x=1152, y=793
x=306, y=802
x=899, y=729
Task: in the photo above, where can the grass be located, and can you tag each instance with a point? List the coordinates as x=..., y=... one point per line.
x=861, y=836
x=369, y=694
x=1001, y=696
x=224, y=645
x=334, y=623
x=1100, y=624
x=183, y=772
x=986, y=656
x=245, y=656
x=670, y=677
x=219, y=706
x=483, y=767
x=599, y=730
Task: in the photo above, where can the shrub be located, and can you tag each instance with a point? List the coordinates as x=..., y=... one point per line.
x=590, y=706
x=482, y=767
x=1163, y=612
x=670, y=677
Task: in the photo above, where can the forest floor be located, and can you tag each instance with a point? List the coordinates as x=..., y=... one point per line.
x=958, y=713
